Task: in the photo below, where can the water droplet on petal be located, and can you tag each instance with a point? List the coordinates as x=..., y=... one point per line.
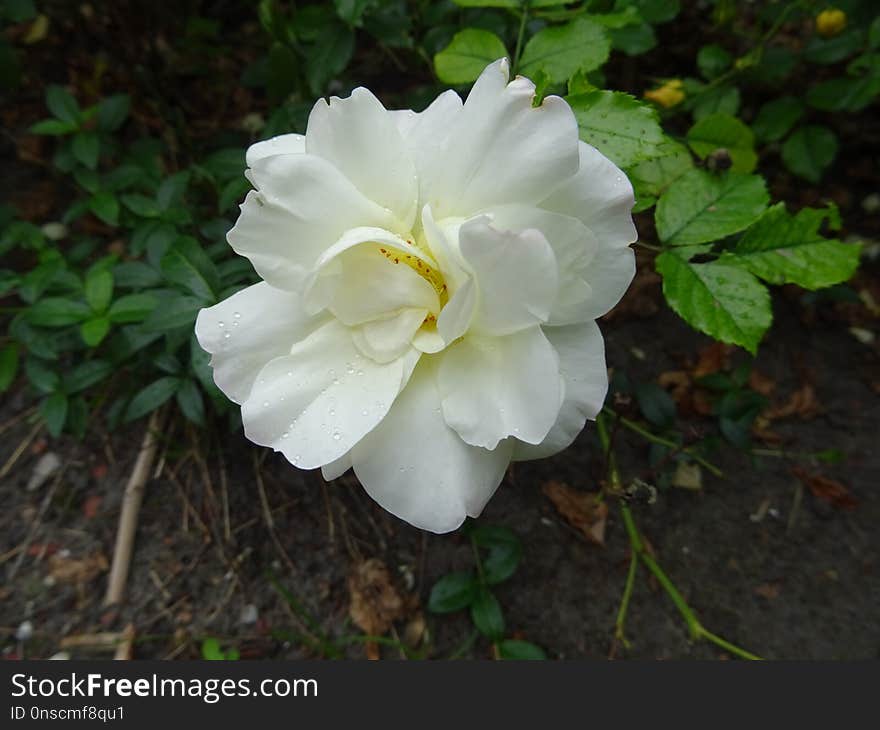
x=337, y=435
x=364, y=412
x=226, y=335
x=237, y=315
x=265, y=404
x=332, y=412
x=221, y=324
x=285, y=435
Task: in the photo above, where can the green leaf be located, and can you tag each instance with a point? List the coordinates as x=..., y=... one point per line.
x=726, y=302
x=141, y=205
x=452, y=592
x=562, y=50
x=173, y=311
x=226, y=164
x=487, y=615
x=86, y=148
x=502, y=562
x=329, y=56
x=151, y=397
x=189, y=398
x=656, y=404
x=106, y=207
x=810, y=150
x=233, y=192
x=99, y=289
x=351, y=11
x=720, y=100
x=172, y=190
x=701, y=206
x=94, y=330
x=713, y=60
x=54, y=412
x=136, y=275
x=657, y=11
x=113, y=111
x=132, y=308
x=620, y=127
x=8, y=365
x=721, y=131
x=651, y=178
x=508, y=3
x=788, y=249
x=53, y=127
x=187, y=265
x=844, y=94
x=517, y=649
x=57, y=312
x=40, y=375
x=211, y=650
x=62, y=104
x=831, y=50
x=18, y=11
x=633, y=40
x=469, y=52
x=776, y=118
x=86, y=374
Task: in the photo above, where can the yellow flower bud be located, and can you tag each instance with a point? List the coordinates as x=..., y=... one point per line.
x=668, y=95
x=830, y=22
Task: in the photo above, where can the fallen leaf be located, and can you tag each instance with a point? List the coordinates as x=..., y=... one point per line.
x=66, y=569
x=770, y=591
x=582, y=510
x=375, y=602
x=824, y=488
x=761, y=383
x=91, y=505
x=677, y=382
x=712, y=359
x=801, y=403
x=687, y=476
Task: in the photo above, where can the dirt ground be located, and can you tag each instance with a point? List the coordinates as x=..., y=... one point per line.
x=762, y=561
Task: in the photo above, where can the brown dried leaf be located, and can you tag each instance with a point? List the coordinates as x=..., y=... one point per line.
x=770, y=591
x=712, y=359
x=67, y=569
x=761, y=383
x=375, y=602
x=582, y=510
x=677, y=382
x=824, y=488
x=801, y=403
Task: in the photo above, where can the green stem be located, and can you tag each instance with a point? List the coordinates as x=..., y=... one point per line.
x=625, y=598
x=520, y=36
x=654, y=438
x=639, y=551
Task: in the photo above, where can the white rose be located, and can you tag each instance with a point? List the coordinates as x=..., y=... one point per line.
x=431, y=284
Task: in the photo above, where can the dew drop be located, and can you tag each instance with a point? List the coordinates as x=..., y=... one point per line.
x=237, y=315
x=332, y=412
x=285, y=435
x=337, y=435
x=350, y=369
x=265, y=404
x=364, y=412
x=226, y=335
x=221, y=325
x=360, y=372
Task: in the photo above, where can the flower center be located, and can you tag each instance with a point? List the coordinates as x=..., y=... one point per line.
x=430, y=274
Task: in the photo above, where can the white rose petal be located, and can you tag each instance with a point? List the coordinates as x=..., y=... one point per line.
x=431, y=284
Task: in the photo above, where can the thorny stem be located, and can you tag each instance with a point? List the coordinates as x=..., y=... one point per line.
x=654, y=438
x=639, y=551
x=520, y=36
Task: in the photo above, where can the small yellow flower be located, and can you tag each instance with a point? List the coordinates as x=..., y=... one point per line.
x=830, y=22
x=668, y=95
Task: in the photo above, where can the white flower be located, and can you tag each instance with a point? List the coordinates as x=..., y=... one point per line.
x=431, y=284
